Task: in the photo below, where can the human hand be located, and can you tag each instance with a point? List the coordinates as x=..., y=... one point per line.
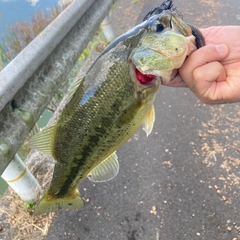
x=213, y=71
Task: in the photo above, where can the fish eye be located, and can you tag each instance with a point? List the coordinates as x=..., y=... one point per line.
x=159, y=27
x=156, y=24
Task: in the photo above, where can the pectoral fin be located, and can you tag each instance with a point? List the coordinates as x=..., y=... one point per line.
x=106, y=170
x=149, y=121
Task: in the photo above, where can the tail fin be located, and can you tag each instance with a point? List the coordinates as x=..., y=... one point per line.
x=52, y=203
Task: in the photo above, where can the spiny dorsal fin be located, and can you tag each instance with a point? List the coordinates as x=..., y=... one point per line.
x=73, y=89
x=106, y=170
x=43, y=140
x=149, y=121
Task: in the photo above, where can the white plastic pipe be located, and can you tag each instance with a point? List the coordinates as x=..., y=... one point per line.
x=21, y=180
x=107, y=28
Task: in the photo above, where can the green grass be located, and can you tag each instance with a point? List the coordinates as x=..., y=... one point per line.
x=30, y=206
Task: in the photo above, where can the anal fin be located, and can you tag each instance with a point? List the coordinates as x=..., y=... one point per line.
x=106, y=170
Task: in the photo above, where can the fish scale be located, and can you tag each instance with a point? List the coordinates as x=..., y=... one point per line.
x=99, y=142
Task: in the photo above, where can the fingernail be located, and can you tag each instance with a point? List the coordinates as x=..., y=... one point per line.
x=222, y=48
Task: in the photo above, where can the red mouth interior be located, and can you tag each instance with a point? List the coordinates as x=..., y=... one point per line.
x=144, y=78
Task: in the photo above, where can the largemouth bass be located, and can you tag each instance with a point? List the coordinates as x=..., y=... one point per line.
x=110, y=103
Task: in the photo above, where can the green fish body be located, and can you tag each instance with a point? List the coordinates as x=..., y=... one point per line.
x=109, y=104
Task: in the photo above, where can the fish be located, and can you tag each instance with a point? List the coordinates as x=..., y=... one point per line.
x=109, y=103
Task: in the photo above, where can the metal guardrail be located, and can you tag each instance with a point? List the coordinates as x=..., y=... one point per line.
x=28, y=83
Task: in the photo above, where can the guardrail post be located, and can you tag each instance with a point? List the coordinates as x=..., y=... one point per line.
x=21, y=180
x=107, y=28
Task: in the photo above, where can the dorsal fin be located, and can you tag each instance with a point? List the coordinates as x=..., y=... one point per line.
x=149, y=121
x=73, y=89
x=106, y=170
x=43, y=141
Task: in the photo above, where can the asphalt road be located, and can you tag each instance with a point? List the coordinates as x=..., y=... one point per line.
x=182, y=182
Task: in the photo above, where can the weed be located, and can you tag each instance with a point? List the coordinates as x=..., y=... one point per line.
x=29, y=206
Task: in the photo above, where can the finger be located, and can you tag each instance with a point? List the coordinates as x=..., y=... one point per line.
x=210, y=72
x=176, y=82
x=201, y=57
x=206, y=82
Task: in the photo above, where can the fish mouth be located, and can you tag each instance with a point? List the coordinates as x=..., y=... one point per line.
x=150, y=79
x=147, y=79
x=144, y=78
